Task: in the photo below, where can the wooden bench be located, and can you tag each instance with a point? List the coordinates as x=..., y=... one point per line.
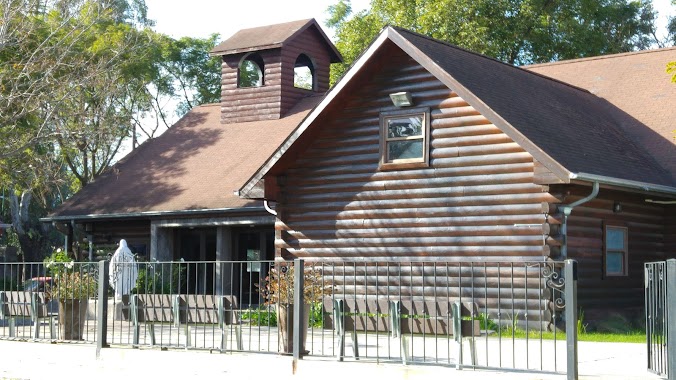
x=465, y=327
x=189, y=310
x=366, y=315
x=21, y=304
x=405, y=316
x=209, y=309
x=151, y=309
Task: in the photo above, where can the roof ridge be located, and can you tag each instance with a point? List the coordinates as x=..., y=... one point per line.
x=399, y=29
x=600, y=57
x=304, y=20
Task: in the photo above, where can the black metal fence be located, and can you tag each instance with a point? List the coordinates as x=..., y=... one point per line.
x=466, y=314
x=660, y=316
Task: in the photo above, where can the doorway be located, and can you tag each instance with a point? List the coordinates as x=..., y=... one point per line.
x=198, y=247
x=252, y=248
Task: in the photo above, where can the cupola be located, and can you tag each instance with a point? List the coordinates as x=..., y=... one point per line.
x=267, y=70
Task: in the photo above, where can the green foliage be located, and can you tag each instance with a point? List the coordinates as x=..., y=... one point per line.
x=152, y=279
x=316, y=315
x=7, y=284
x=486, y=323
x=267, y=316
x=263, y=316
x=58, y=262
x=515, y=31
x=581, y=326
x=187, y=72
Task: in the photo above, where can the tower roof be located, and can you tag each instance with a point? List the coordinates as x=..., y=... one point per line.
x=271, y=37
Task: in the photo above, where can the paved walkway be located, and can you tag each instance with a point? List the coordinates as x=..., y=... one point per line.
x=32, y=360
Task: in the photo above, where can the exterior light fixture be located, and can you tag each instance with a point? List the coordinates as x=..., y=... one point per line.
x=617, y=207
x=402, y=99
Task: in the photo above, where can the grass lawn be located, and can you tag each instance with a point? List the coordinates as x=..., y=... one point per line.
x=632, y=337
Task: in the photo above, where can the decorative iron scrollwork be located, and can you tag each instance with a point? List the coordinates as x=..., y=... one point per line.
x=555, y=281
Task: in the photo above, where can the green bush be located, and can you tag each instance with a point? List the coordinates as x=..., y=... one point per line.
x=267, y=316
x=7, y=284
x=263, y=316
x=150, y=280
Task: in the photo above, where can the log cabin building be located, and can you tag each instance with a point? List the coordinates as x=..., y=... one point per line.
x=422, y=152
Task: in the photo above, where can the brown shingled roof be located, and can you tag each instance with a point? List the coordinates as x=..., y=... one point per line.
x=638, y=84
x=270, y=37
x=576, y=128
x=195, y=165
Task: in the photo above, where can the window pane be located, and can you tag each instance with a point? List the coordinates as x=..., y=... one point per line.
x=404, y=127
x=614, y=263
x=615, y=238
x=399, y=150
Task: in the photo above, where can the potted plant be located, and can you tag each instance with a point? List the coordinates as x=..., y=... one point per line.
x=72, y=287
x=278, y=290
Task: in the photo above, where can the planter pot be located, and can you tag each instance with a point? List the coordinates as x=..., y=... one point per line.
x=285, y=324
x=72, y=317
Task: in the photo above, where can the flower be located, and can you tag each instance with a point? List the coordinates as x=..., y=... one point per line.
x=279, y=284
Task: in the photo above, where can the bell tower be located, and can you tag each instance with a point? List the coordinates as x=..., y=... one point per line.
x=267, y=70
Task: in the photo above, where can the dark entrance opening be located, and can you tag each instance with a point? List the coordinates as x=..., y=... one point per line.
x=197, y=246
x=251, y=247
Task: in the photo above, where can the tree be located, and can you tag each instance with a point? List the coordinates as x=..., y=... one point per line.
x=514, y=31
x=76, y=79
x=62, y=65
x=182, y=75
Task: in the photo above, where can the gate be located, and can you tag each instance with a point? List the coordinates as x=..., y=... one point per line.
x=660, y=317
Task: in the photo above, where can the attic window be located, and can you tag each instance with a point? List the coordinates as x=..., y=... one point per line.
x=404, y=139
x=304, y=73
x=250, y=73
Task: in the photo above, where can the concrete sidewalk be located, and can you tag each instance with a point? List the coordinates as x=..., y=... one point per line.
x=32, y=360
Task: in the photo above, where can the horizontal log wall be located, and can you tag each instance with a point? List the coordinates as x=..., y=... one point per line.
x=600, y=294
x=313, y=45
x=476, y=201
x=251, y=103
x=670, y=232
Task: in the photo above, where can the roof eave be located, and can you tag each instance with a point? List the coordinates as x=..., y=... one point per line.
x=219, y=53
x=643, y=187
x=149, y=214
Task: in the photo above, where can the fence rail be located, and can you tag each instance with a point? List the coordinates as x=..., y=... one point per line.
x=660, y=316
x=465, y=314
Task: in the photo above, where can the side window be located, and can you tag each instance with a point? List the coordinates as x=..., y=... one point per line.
x=615, y=251
x=250, y=72
x=304, y=73
x=404, y=139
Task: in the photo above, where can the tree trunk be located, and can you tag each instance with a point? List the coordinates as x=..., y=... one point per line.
x=30, y=245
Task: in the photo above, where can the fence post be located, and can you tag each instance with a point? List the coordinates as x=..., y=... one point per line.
x=102, y=309
x=298, y=301
x=570, y=275
x=671, y=318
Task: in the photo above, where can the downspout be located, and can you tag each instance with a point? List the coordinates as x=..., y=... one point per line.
x=268, y=208
x=567, y=209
